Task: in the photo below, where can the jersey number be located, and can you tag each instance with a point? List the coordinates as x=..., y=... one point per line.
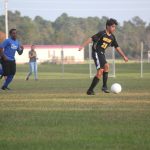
x=104, y=45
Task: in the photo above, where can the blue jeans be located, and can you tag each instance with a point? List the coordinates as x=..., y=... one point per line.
x=33, y=69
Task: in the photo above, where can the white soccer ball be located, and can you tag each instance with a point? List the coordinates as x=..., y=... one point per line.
x=116, y=88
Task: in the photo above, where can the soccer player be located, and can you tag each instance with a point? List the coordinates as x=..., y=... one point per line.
x=101, y=41
x=32, y=63
x=7, y=52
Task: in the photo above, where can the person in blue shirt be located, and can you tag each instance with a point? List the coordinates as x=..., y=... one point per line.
x=8, y=49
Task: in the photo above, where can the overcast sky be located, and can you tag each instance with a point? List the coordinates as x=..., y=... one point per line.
x=51, y=9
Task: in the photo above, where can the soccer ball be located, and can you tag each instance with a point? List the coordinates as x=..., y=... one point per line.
x=116, y=88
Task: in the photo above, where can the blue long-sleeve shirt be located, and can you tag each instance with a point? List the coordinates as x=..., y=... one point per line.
x=10, y=47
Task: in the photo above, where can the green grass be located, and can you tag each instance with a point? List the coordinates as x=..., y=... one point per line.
x=54, y=113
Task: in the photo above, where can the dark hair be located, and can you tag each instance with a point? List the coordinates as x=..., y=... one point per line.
x=11, y=30
x=111, y=22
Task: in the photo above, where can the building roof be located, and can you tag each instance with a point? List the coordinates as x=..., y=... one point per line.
x=52, y=46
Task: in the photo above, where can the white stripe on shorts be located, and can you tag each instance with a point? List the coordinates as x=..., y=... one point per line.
x=97, y=61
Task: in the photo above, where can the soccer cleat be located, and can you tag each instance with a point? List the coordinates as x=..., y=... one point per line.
x=3, y=88
x=27, y=78
x=90, y=92
x=105, y=90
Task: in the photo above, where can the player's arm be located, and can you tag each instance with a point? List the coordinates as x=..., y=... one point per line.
x=88, y=41
x=34, y=54
x=2, y=46
x=119, y=50
x=31, y=55
x=94, y=38
x=20, y=50
x=1, y=52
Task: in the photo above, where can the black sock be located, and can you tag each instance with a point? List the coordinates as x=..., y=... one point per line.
x=105, y=77
x=94, y=83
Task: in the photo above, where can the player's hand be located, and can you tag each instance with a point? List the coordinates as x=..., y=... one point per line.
x=22, y=48
x=125, y=59
x=4, y=58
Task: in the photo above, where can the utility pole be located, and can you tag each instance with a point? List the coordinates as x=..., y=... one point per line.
x=142, y=48
x=6, y=17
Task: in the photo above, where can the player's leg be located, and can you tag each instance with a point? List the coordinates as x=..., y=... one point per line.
x=105, y=78
x=1, y=69
x=30, y=71
x=35, y=71
x=95, y=80
x=6, y=71
x=9, y=71
x=8, y=80
x=1, y=73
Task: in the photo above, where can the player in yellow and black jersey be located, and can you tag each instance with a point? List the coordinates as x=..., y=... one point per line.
x=101, y=41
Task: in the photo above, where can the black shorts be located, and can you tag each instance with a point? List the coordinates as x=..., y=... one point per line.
x=9, y=67
x=0, y=61
x=99, y=59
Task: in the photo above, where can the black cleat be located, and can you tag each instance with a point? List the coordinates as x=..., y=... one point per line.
x=90, y=92
x=3, y=88
x=27, y=78
x=105, y=90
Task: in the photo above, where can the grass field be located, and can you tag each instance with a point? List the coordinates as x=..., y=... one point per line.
x=54, y=113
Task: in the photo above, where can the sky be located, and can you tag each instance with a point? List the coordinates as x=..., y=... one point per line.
x=51, y=9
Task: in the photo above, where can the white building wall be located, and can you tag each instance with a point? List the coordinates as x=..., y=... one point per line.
x=53, y=53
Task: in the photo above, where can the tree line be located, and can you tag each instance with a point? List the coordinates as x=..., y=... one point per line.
x=72, y=30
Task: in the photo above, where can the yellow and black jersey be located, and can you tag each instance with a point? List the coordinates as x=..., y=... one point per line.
x=101, y=41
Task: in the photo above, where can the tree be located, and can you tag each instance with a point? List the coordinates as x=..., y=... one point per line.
x=2, y=36
x=72, y=30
